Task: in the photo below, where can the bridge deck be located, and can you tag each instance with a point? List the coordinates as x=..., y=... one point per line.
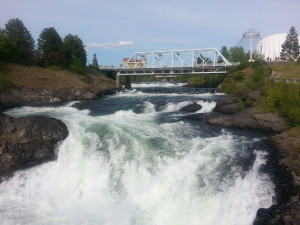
x=169, y=70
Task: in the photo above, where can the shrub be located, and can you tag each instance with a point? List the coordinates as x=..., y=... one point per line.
x=4, y=81
x=77, y=66
x=196, y=82
x=284, y=99
x=230, y=88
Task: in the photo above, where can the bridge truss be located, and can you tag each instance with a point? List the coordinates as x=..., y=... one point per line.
x=195, y=61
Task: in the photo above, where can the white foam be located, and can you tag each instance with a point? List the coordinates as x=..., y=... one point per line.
x=206, y=106
x=126, y=168
x=156, y=84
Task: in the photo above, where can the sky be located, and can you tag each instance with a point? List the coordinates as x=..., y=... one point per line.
x=115, y=29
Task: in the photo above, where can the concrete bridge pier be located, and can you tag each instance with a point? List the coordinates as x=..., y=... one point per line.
x=118, y=81
x=128, y=82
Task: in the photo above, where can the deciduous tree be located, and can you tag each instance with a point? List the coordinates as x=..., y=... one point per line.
x=237, y=54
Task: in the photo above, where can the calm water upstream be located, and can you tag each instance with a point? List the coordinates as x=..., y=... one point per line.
x=131, y=160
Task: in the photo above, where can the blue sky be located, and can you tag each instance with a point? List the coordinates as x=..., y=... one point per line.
x=114, y=29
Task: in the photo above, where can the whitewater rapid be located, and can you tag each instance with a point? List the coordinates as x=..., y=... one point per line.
x=137, y=168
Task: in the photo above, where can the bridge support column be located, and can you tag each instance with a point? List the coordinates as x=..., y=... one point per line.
x=118, y=81
x=128, y=82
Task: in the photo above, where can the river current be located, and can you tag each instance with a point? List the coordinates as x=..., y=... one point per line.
x=131, y=159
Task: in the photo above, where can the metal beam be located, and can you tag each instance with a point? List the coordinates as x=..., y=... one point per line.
x=195, y=61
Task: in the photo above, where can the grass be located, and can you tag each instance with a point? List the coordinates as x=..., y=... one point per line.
x=284, y=99
x=291, y=70
x=47, y=78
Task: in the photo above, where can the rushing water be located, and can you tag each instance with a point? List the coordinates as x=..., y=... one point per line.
x=130, y=159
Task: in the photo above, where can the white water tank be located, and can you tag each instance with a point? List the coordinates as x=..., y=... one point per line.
x=270, y=47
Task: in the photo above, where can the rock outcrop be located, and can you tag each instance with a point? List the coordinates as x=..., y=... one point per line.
x=15, y=97
x=28, y=141
x=288, y=145
x=251, y=119
x=287, y=182
x=191, y=108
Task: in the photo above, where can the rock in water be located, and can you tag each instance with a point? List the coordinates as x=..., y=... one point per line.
x=28, y=141
x=251, y=119
x=191, y=108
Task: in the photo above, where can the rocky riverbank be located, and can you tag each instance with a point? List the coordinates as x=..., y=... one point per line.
x=28, y=141
x=15, y=97
x=284, y=159
x=34, y=86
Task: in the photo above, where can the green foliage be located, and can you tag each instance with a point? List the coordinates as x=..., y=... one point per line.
x=203, y=60
x=237, y=54
x=230, y=88
x=207, y=80
x=224, y=51
x=196, y=82
x=77, y=66
x=49, y=48
x=73, y=48
x=290, y=48
x=7, y=50
x=238, y=76
x=139, y=78
x=243, y=65
x=17, y=45
x=284, y=99
x=250, y=76
x=21, y=39
x=241, y=105
x=291, y=70
x=4, y=81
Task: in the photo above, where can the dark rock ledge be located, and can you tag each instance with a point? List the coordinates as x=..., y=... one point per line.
x=28, y=141
x=16, y=97
x=228, y=114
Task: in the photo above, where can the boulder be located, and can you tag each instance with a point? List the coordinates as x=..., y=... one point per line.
x=228, y=105
x=251, y=119
x=191, y=108
x=28, y=141
x=229, y=108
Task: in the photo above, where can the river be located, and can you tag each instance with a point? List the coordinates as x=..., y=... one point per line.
x=130, y=159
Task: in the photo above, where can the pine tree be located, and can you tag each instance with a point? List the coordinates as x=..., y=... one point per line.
x=21, y=39
x=49, y=47
x=73, y=47
x=290, y=48
x=75, y=54
x=225, y=52
x=95, y=62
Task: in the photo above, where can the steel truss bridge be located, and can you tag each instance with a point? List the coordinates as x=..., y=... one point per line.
x=194, y=61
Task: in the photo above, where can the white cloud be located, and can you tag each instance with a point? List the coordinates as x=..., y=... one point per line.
x=109, y=44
